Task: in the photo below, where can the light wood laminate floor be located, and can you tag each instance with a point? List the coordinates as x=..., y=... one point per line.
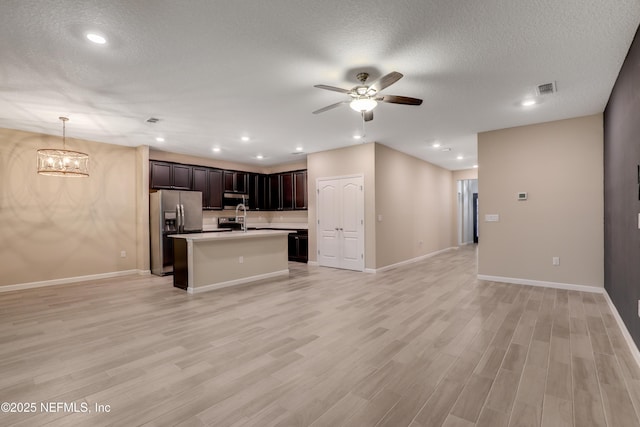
x=421, y=345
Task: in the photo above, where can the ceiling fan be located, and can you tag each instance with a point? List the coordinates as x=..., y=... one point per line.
x=364, y=98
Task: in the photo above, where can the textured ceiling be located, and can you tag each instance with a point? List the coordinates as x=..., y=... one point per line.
x=214, y=71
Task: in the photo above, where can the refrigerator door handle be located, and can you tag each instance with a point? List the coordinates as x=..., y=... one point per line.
x=182, y=214
x=178, y=219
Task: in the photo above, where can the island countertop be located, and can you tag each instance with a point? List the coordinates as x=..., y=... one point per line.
x=232, y=235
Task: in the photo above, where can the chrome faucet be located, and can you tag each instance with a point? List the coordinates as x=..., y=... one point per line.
x=244, y=216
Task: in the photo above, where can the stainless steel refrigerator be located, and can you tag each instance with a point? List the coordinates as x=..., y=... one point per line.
x=171, y=212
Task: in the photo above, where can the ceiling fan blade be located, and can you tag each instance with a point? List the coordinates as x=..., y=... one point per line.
x=333, y=88
x=400, y=100
x=386, y=81
x=330, y=107
x=367, y=115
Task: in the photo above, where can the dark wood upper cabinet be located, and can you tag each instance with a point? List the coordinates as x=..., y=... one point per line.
x=258, y=191
x=241, y=179
x=286, y=182
x=215, y=189
x=165, y=175
x=182, y=177
x=228, y=181
x=275, y=193
x=278, y=191
x=300, y=190
x=199, y=182
x=235, y=182
x=160, y=175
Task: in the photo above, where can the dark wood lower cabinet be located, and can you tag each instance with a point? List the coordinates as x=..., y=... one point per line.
x=299, y=246
x=180, y=270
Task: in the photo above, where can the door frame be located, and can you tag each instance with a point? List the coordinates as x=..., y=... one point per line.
x=361, y=243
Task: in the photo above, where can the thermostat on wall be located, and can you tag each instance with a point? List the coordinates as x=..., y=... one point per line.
x=522, y=196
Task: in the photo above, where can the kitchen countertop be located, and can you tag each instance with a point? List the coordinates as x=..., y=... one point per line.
x=267, y=225
x=233, y=235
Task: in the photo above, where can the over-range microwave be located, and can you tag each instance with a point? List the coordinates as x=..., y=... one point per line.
x=231, y=200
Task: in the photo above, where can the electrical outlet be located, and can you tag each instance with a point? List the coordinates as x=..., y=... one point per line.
x=555, y=260
x=241, y=260
x=123, y=254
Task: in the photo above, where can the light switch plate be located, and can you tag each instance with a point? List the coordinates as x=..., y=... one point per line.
x=492, y=218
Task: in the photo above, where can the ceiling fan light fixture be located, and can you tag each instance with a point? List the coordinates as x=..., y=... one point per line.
x=363, y=104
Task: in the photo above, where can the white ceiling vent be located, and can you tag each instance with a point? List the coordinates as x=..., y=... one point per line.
x=547, y=88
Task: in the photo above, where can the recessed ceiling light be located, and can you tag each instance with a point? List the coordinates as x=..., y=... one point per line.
x=160, y=139
x=96, y=38
x=298, y=148
x=216, y=149
x=435, y=145
x=245, y=138
x=475, y=166
x=528, y=102
x=259, y=157
x=357, y=136
x=460, y=157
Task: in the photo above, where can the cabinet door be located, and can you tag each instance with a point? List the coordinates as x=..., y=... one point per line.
x=300, y=190
x=263, y=192
x=160, y=175
x=182, y=177
x=293, y=246
x=303, y=247
x=240, y=184
x=215, y=189
x=286, y=182
x=199, y=183
x=257, y=191
x=275, y=201
x=228, y=181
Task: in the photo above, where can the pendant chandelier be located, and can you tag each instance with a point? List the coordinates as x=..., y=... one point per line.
x=63, y=162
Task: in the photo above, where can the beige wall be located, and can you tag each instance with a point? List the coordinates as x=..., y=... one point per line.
x=560, y=165
x=355, y=160
x=414, y=199
x=464, y=174
x=142, y=209
x=55, y=228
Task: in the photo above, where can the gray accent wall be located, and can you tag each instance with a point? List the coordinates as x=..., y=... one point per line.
x=621, y=192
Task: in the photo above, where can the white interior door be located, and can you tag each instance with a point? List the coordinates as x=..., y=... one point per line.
x=328, y=224
x=341, y=223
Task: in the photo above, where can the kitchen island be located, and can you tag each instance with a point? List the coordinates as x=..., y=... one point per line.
x=207, y=261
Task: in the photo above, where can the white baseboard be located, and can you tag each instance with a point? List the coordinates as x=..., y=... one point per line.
x=625, y=332
x=144, y=272
x=68, y=280
x=556, y=285
x=236, y=282
x=408, y=261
